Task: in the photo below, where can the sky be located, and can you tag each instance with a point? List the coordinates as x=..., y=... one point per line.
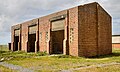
x=13, y=12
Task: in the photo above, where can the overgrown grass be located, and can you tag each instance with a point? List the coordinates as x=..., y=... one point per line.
x=43, y=62
x=4, y=48
x=112, y=68
x=18, y=55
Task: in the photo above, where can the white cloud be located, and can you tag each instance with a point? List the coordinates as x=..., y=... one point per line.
x=17, y=11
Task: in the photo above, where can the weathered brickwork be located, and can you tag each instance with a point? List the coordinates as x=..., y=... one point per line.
x=73, y=23
x=80, y=31
x=104, y=32
x=24, y=34
x=13, y=28
x=88, y=30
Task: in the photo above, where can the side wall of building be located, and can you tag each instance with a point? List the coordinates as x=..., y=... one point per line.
x=87, y=30
x=104, y=31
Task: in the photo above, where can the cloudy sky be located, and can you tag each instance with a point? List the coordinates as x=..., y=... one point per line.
x=17, y=11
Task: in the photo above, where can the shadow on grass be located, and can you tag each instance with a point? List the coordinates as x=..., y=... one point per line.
x=4, y=51
x=10, y=53
x=107, y=56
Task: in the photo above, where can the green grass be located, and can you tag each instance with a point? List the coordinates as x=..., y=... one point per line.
x=4, y=48
x=19, y=55
x=112, y=68
x=43, y=62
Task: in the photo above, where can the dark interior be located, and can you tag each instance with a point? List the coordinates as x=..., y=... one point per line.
x=16, y=40
x=57, y=41
x=31, y=40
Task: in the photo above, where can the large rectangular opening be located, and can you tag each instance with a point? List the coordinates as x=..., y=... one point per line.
x=57, y=34
x=57, y=42
x=16, y=41
x=32, y=38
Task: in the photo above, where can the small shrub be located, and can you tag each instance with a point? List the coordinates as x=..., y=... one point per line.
x=64, y=56
x=42, y=53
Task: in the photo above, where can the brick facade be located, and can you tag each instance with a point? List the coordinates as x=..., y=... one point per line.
x=86, y=32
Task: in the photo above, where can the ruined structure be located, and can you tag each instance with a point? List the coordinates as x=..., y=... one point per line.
x=80, y=31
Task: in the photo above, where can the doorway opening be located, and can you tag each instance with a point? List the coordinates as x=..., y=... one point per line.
x=31, y=40
x=57, y=36
x=57, y=41
x=16, y=41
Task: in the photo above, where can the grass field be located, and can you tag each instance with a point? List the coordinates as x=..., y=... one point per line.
x=4, y=48
x=43, y=62
x=112, y=68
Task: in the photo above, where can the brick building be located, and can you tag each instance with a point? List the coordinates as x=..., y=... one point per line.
x=116, y=41
x=84, y=30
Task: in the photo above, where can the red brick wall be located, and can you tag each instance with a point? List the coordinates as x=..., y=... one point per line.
x=104, y=32
x=13, y=34
x=88, y=30
x=24, y=39
x=73, y=23
x=45, y=26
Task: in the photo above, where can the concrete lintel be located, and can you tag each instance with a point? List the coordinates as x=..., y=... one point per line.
x=58, y=17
